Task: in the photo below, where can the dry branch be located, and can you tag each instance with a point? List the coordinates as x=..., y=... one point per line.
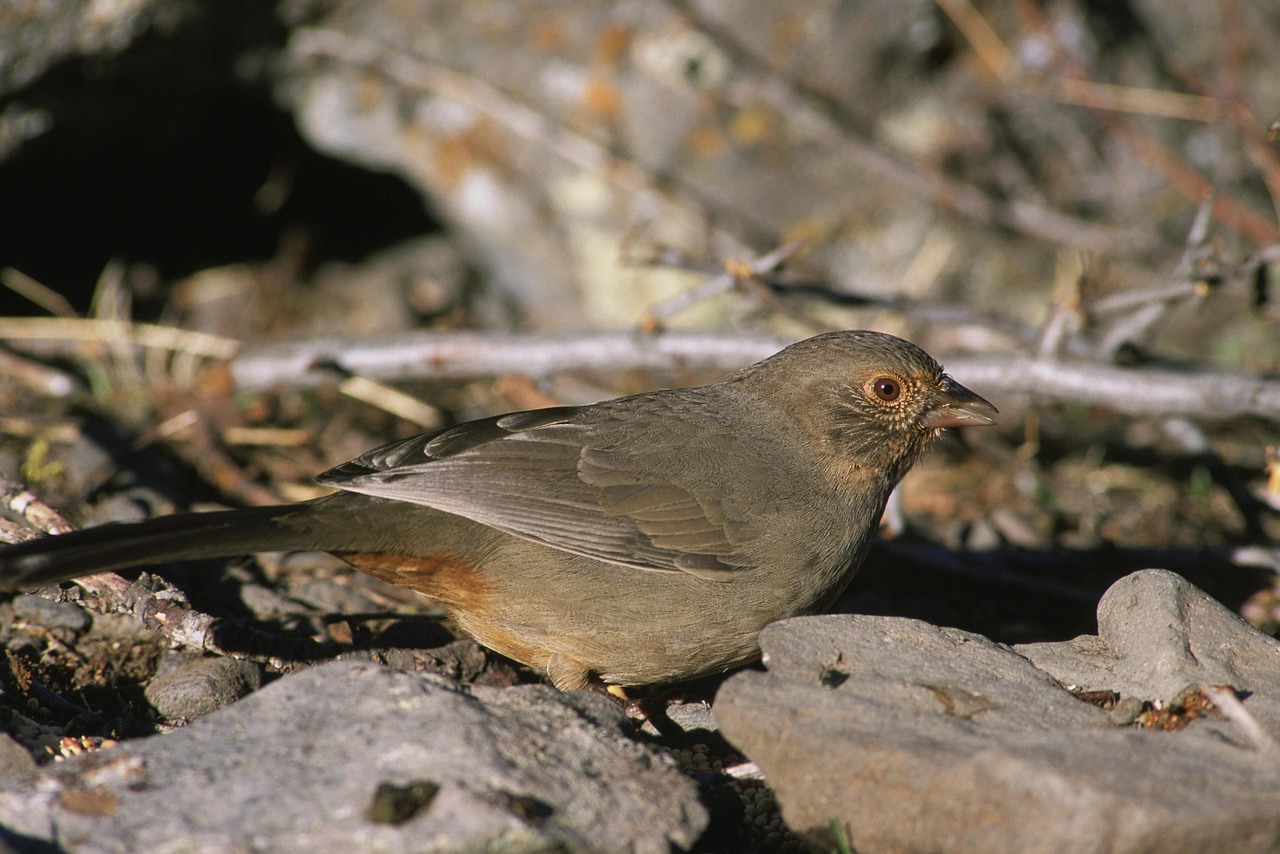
x=1143, y=391
x=436, y=355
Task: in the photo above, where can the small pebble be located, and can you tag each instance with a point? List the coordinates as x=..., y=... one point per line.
x=197, y=686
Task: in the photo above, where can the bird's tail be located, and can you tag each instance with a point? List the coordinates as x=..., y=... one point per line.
x=186, y=536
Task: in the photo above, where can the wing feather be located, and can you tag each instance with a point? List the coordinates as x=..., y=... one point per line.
x=575, y=479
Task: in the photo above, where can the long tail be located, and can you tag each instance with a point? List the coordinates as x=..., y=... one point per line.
x=187, y=536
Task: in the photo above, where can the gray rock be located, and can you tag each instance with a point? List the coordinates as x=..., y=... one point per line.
x=50, y=614
x=1159, y=634
x=919, y=738
x=15, y=760
x=192, y=687
x=355, y=757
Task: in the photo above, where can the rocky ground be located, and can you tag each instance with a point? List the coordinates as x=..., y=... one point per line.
x=1063, y=640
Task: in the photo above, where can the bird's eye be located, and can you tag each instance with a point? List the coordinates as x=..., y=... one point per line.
x=886, y=389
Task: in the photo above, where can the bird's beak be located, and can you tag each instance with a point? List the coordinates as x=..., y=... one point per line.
x=956, y=406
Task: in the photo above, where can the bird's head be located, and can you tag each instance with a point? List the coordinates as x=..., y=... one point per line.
x=873, y=400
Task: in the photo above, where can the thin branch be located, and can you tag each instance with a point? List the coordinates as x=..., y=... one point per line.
x=1146, y=391
x=41, y=379
x=734, y=273
x=392, y=400
x=114, y=332
x=1197, y=394
x=1175, y=171
x=444, y=355
x=37, y=292
x=1233, y=710
x=18, y=499
x=1235, y=50
x=163, y=608
x=1137, y=101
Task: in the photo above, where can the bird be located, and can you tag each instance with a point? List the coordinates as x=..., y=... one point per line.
x=640, y=541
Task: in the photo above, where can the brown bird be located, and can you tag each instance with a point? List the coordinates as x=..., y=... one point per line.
x=641, y=540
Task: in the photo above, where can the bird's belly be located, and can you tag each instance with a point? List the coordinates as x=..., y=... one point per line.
x=630, y=626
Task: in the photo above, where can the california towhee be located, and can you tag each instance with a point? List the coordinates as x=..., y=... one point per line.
x=641, y=540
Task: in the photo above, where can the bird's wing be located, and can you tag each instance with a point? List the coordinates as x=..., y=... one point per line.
x=585, y=480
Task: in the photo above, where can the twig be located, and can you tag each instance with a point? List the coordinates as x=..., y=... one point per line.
x=740, y=274
x=1204, y=396
x=392, y=400
x=1176, y=172
x=41, y=379
x=1233, y=710
x=39, y=515
x=266, y=437
x=111, y=331
x=1136, y=101
x=1128, y=301
x=735, y=273
x=440, y=355
x=206, y=455
x=744, y=771
x=1197, y=394
x=1061, y=317
x=163, y=608
x=38, y=293
x=1188, y=269
x=1235, y=50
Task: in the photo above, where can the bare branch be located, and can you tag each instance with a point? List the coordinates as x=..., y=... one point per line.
x=734, y=272
x=116, y=332
x=435, y=355
x=1200, y=395
x=18, y=499
x=163, y=608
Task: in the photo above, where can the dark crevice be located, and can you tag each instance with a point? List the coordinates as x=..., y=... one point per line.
x=157, y=156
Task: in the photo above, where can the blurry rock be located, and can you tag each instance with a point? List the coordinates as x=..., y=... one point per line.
x=50, y=614
x=189, y=687
x=385, y=292
x=915, y=737
x=550, y=149
x=1159, y=634
x=35, y=36
x=15, y=760
x=354, y=757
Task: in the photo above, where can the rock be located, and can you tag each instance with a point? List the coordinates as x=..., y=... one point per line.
x=1159, y=634
x=550, y=158
x=915, y=737
x=50, y=614
x=15, y=760
x=192, y=687
x=352, y=756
